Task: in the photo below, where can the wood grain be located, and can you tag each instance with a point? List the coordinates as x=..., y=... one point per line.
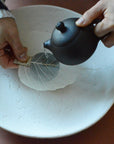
x=100, y=133
x=77, y=5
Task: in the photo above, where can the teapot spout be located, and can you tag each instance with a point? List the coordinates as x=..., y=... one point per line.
x=47, y=44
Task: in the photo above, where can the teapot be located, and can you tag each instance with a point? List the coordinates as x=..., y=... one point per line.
x=70, y=44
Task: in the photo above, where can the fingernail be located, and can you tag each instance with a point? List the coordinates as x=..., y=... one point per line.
x=80, y=21
x=23, y=57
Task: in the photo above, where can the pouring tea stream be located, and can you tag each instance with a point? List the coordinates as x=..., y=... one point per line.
x=70, y=44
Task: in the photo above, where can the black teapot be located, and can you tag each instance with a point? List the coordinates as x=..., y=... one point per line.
x=72, y=45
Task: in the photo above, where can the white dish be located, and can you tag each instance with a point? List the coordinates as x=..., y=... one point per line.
x=34, y=40
x=63, y=112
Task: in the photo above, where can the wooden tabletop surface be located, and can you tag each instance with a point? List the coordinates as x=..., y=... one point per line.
x=100, y=133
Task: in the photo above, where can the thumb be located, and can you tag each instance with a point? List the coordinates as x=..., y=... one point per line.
x=19, y=51
x=90, y=15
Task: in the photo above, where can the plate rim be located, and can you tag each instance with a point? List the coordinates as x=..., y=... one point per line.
x=64, y=135
x=67, y=133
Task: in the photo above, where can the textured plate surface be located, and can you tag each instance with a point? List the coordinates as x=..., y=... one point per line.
x=60, y=78
x=65, y=111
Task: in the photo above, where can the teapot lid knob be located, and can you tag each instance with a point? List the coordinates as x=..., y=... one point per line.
x=61, y=27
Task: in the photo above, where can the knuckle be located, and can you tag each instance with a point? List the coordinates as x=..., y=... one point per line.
x=19, y=50
x=101, y=3
x=99, y=29
x=107, y=44
x=98, y=33
x=110, y=23
x=18, y=53
x=87, y=13
x=112, y=26
x=12, y=34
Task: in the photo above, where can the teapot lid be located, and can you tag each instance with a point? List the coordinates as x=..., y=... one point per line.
x=64, y=32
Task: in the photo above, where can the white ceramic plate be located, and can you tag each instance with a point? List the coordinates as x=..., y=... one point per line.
x=63, y=112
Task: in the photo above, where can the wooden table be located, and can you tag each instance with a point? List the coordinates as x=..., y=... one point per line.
x=103, y=131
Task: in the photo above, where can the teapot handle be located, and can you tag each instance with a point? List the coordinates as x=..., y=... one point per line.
x=94, y=23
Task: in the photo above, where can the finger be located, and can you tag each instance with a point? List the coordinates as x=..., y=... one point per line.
x=2, y=52
x=2, y=45
x=19, y=51
x=6, y=63
x=91, y=15
x=104, y=27
x=11, y=65
x=109, y=41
